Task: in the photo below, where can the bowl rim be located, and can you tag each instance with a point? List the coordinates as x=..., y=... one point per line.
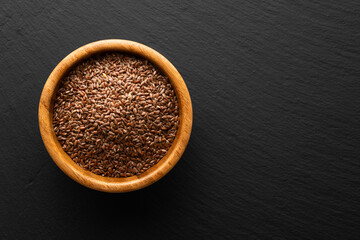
x=87, y=178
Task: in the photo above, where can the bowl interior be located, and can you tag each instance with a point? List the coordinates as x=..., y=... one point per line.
x=62, y=159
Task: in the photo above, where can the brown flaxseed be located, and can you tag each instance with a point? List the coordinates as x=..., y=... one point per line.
x=116, y=115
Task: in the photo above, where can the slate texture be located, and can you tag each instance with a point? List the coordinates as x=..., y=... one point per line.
x=274, y=152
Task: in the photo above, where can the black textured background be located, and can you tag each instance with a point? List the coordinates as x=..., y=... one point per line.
x=274, y=152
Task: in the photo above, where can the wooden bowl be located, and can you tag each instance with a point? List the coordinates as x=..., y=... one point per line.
x=84, y=177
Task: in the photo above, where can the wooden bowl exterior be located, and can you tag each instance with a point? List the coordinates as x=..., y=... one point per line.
x=84, y=177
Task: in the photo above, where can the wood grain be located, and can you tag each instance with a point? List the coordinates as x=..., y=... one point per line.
x=86, y=178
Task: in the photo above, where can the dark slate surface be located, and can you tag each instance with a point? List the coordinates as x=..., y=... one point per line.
x=274, y=152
